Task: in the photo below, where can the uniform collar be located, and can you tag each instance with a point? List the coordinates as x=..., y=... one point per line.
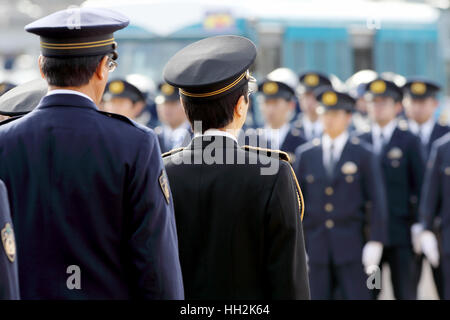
x=338, y=143
x=425, y=129
x=311, y=127
x=66, y=91
x=217, y=132
x=277, y=136
x=66, y=99
x=387, y=130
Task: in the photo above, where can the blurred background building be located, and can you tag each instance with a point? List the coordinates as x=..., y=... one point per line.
x=336, y=37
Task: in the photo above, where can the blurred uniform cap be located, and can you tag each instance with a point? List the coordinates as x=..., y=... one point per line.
x=310, y=81
x=420, y=88
x=383, y=88
x=167, y=93
x=211, y=68
x=123, y=89
x=357, y=82
x=280, y=83
x=78, y=32
x=5, y=87
x=23, y=98
x=331, y=99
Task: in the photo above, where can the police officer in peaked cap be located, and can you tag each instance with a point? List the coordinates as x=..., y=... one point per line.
x=340, y=176
x=402, y=162
x=308, y=122
x=89, y=197
x=238, y=209
x=175, y=130
x=278, y=90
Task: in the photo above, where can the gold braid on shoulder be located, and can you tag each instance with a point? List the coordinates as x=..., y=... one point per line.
x=285, y=157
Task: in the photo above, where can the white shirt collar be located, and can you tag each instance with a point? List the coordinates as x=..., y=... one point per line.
x=310, y=126
x=338, y=143
x=426, y=129
x=66, y=91
x=387, y=130
x=175, y=136
x=216, y=132
x=277, y=136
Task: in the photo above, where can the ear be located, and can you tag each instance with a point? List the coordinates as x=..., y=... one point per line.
x=435, y=103
x=138, y=107
x=40, y=66
x=292, y=105
x=241, y=107
x=102, y=71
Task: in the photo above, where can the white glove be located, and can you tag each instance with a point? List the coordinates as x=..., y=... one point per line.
x=416, y=231
x=430, y=248
x=371, y=256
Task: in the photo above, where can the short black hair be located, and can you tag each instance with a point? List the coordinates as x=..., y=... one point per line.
x=69, y=72
x=215, y=113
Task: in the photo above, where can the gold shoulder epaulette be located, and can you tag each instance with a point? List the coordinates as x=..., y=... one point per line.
x=285, y=157
x=171, y=152
x=281, y=154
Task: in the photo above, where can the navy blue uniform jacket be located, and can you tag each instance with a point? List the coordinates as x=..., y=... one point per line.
x=86, y=189
x=336, y=207
x=403, y=164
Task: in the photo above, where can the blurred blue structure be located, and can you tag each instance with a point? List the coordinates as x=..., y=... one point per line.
x=329, y=36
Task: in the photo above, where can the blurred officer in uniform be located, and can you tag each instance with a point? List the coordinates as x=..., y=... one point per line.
x=420, y=102
x=402, y=162
x=278, y=107
x=308, y=122
x=88, y=191
x=435, y=202
x=9, y=280
x=123, y=98
x=241, y=234
x=175, y=131
x=356, y=86
x=339, y=176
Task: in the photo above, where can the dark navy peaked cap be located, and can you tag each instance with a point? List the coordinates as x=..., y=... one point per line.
x=212, y=67
x=77, y=32
x=331, y=99
x=421, y=88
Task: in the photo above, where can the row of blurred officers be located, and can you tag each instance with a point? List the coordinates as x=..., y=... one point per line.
x=362, y=172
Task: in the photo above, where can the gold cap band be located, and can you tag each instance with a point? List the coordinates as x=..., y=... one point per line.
x=213, y=93
x=81, y=45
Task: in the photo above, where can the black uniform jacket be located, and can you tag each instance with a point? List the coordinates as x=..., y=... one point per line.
x=239, y=226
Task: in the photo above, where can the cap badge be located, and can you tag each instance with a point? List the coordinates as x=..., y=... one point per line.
x=116, y=87
x=418, y=88
x=312, y=80
x=378, y=86
x=270, y=88
x=167, y=89
x=329, y=98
